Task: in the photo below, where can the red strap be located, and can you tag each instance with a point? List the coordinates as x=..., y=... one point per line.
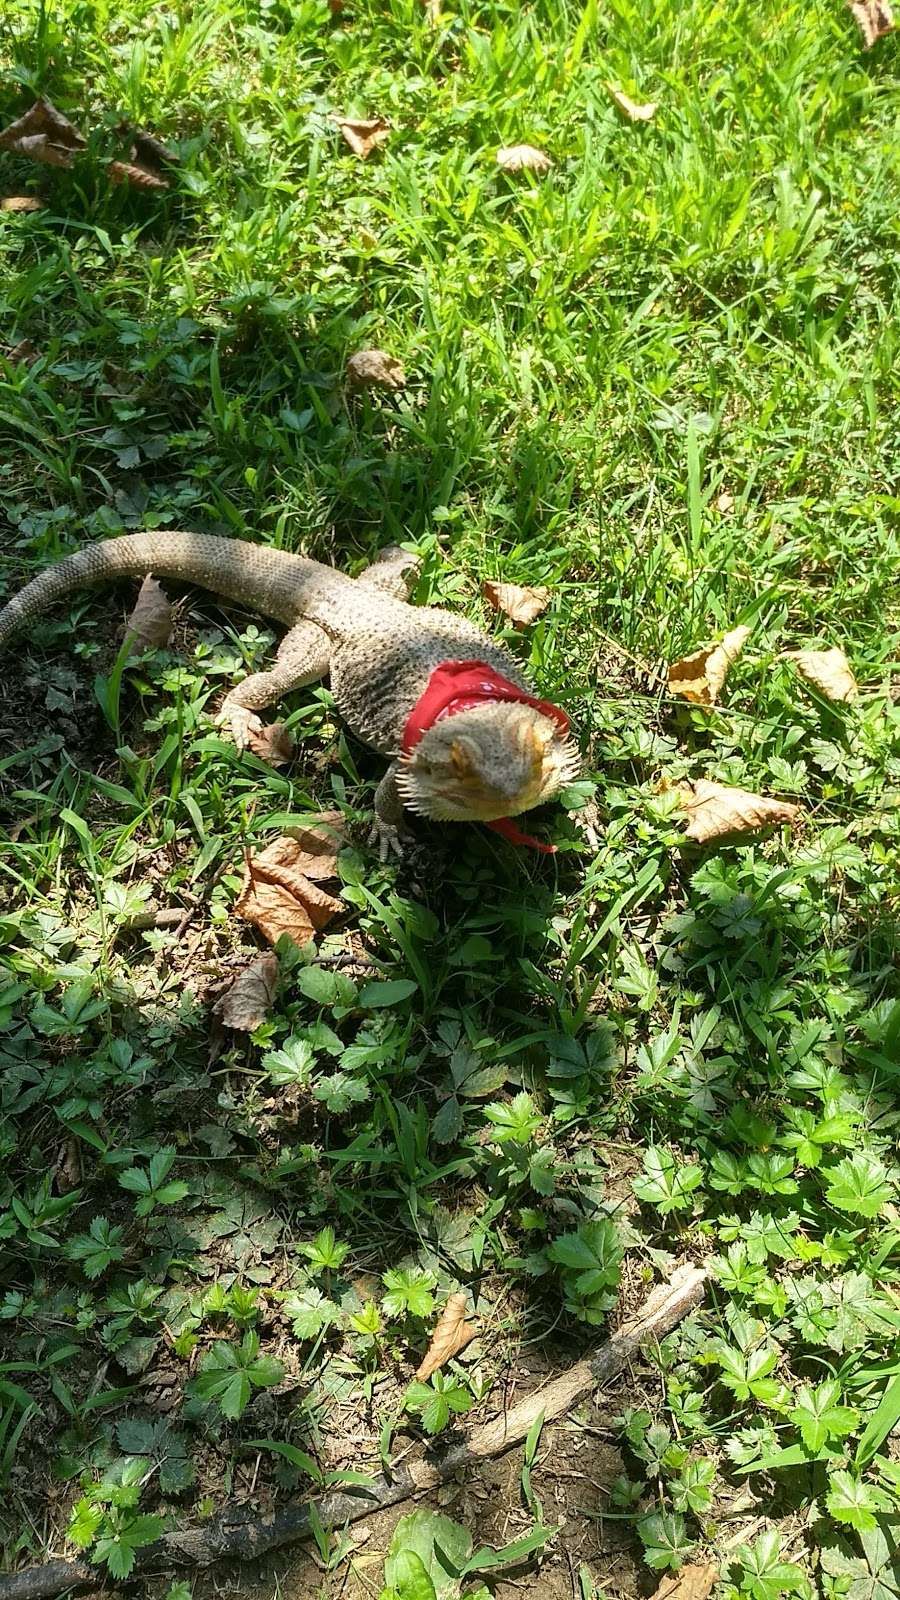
x=456, y=686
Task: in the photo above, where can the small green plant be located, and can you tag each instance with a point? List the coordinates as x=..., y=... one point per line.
x=590, y=1260
x=149, y=1183
x=438, y=1400
x=106, y=1519
x=229, y=1374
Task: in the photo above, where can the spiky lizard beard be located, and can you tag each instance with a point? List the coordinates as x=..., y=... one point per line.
x=486, y=763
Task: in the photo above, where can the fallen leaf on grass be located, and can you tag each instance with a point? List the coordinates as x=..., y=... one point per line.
x=364, y=137
x=21, y=202
x=523, y=158
x=451, y=1335
x=629, y=107
x=273, y=743
x=692, y=1582
x=150, y=622
x=725, y=503
x=875, y=19
x=829, y=671
x=700, y=677
x=521, y=605
x=278, y=897
x=43, y=134
x=133, y=172
x=717, y=811
x=248, y=1002
x=375, y=369
x=319, y=841
x=23, y=351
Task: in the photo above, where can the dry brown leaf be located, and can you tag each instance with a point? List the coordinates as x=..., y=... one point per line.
x=692, y=1582
x=829, y=671
x=725, y=503
x=23, y=351
x=875, y=19
x=248, y=1002
x=273, y=743
x=150, y=623
x=364, y=137
x=630, y=108
x=523, y=158
x=320, y=841
x=521, y=605
x=43, y=134
x=716, y=811
x=278, y=897
x=700, y=677
x=451, y=1335
x=134, y=172
x=375, y=369
x=21, y=202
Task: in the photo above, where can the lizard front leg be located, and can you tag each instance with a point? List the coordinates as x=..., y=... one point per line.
x=304, y=656
x=387, y=831
x=393, y=570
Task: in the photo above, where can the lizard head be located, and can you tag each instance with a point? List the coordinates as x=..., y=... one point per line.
x=491, y=761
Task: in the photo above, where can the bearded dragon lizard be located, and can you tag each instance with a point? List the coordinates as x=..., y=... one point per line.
x=466, y=738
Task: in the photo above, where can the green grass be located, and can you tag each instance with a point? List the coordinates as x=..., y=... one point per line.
x=704, y=304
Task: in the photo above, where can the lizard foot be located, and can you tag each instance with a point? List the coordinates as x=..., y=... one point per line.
x=239, y=721
x=389, y=839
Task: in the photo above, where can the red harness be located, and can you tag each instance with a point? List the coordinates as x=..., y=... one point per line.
x=457, y=686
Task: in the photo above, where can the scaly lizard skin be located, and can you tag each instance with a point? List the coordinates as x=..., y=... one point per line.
x=480, y=764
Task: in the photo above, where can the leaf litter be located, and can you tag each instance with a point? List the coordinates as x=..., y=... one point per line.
x=364, y=136
x=375, y=369
x=273, y=743
x=521, y=605
x=523, y=158
x=451, y=1334
x=692, y=1582
x=45, y=135
x=718, y=811
x=150, y=624
x=247, y=1003
x=279, y=894
x=874, y=19
x=700, y=677
x=630, y=108
x=829, y=671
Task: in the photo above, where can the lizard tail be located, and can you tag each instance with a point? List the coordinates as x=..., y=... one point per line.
x=267, y=580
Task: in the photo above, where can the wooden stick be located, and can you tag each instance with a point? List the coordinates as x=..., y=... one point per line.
x=239, y=1536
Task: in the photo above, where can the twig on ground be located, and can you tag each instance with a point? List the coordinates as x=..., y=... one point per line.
x=240, y=1537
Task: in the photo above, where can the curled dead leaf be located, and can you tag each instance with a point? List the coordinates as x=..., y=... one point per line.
x=724, y=503
x=521, y=605
x=43, y=134
x=523, y=158
x=133, y=172
x=21, y=202
x=629, y=107
x=278, y=897
x=24, y=351
x=874, y=19
x=375, y=369
x=452, y=1333
x=717, y=811
x=273, y=743
x=692, y=1582
x=150, y=622
x=829, y=671
x=700, y=676
x=249, y=1000
x=319, y=841
x=364, y=136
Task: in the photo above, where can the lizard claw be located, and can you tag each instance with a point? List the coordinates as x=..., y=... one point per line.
x=240, y=722
x=389, y=839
